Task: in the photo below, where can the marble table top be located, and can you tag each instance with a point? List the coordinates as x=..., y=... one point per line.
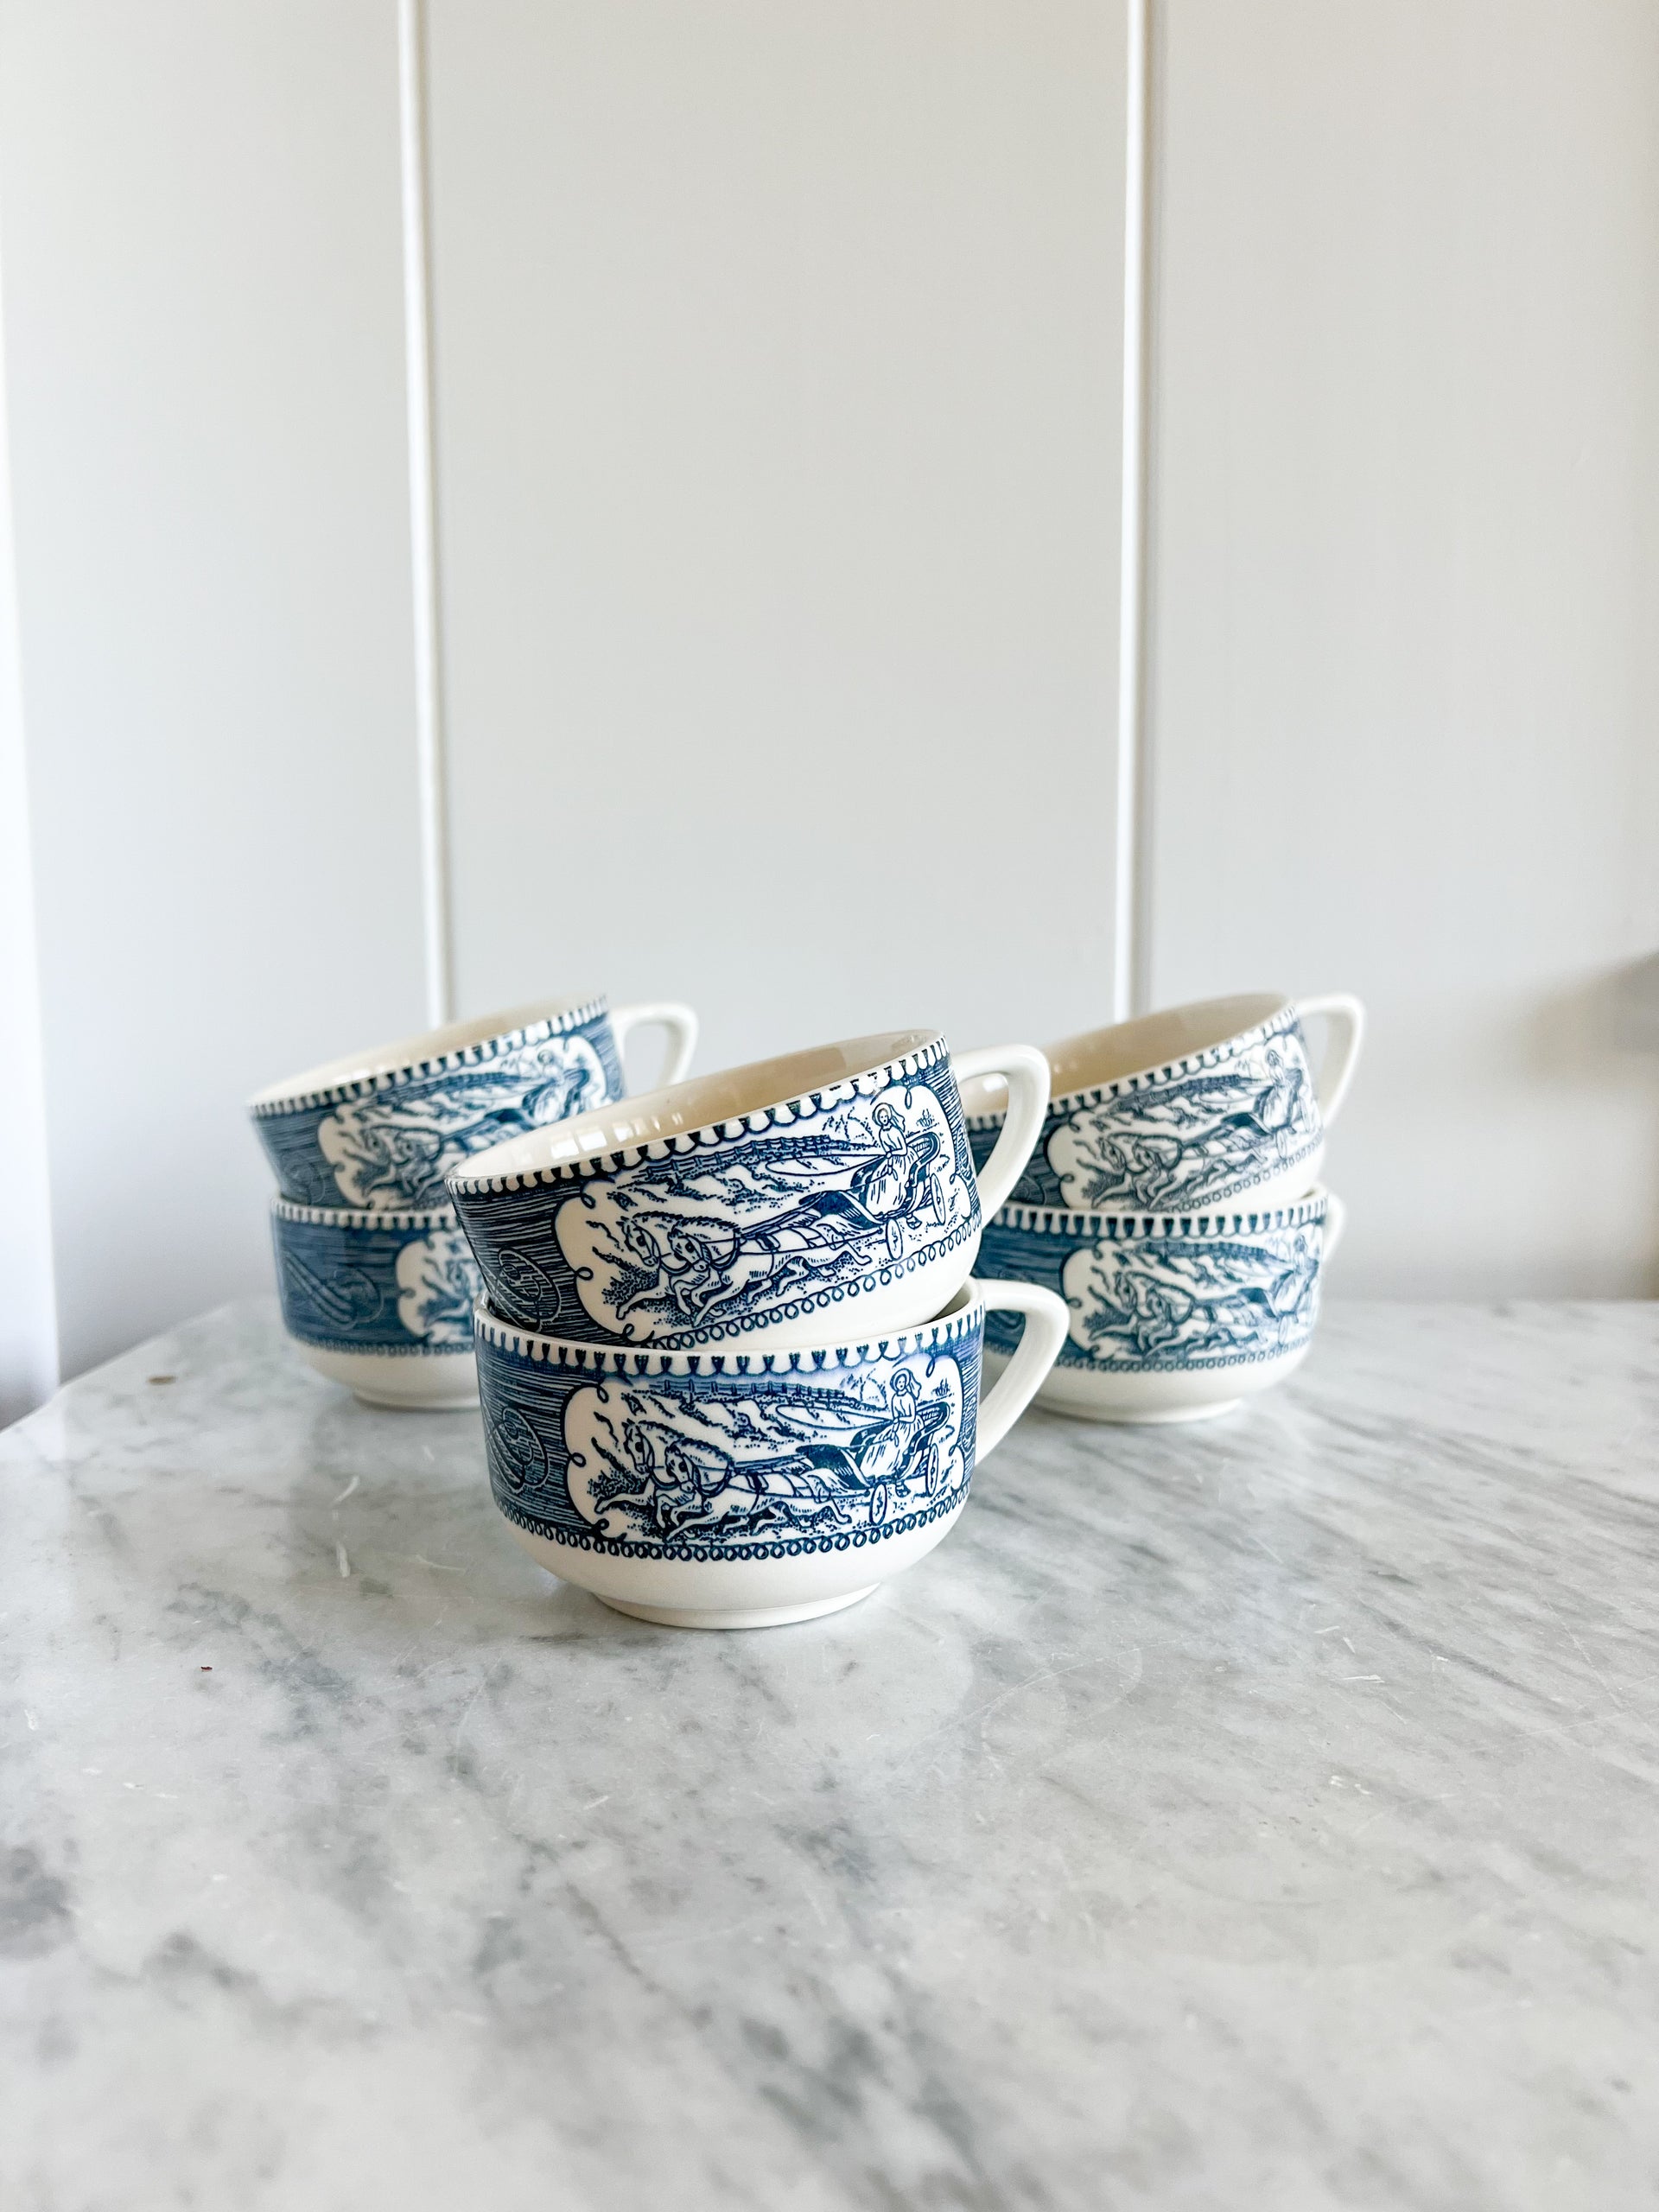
x=1255, y=1815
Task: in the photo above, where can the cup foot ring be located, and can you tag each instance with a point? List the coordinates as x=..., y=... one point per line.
x=741, y=1616
x=459, y=1404
x=1169, y=1418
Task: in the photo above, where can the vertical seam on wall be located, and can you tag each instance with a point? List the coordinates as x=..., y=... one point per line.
x=1131, y=951
x=30, y=1371
x=423, y=515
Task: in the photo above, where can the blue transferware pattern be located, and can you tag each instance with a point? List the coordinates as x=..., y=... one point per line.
x=385, y=1143
x=1162, y=1293
x=729, y=1455
x=1204, y=1130
x=680, y=1244
x=374, y=1282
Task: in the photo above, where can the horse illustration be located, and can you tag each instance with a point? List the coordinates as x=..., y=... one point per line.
x=1113, y=1167
x=696, y=1486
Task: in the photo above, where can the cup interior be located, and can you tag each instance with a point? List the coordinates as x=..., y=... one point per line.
x=704, y=1103
x=1096, y=1057
x=407, y=1054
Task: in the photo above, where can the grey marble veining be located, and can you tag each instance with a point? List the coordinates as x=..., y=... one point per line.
x=1261, y=1815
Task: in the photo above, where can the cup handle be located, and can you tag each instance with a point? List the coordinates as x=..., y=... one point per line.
x=1336, y=1221
x=1347, y=1014
x=1026, y=1073
x=679, y=1021
x=1046, y=1322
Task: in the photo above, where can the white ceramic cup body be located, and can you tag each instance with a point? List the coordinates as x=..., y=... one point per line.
x=378, y=1131
x=418, y=1384
x=1199, y=1106
x=831, y=1191
x=746, y=1489
x=380, y=1302
x=1171, y=1317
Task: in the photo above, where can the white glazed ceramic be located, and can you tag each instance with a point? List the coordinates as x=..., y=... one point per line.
x=1171, y=1317
x=382, y=1302
x=745, y=1489
x=1201, y=1106
x=378, y=1130
x=770, y=1204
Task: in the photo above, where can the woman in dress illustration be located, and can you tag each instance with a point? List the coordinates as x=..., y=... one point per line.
x=1279, y=1110
x=909, y=1172
x=907, y=1443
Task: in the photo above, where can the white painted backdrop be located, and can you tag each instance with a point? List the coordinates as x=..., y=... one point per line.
x=777, y=419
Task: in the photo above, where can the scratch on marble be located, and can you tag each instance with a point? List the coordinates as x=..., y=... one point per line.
x=1578, y=1642
x=343, y=1563
x=349, y=1488
x=1043, y=1675
x=478, y=1692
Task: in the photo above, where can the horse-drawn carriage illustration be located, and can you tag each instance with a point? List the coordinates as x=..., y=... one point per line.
x=666, y=1246
x=1201, y=1298
x=650, y=1464
x=1173, y=1144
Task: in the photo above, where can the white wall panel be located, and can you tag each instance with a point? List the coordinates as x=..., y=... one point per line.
x=205, y=348
x=28, y=1311
x=778, y=410
x=1406, y=690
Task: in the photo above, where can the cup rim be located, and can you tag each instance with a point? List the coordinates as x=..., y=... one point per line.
x=1268, y=1008
x=1214, y=1223
x=729, y=1362
x=680, y=1119
x=290, y=1210
x=428, y=1052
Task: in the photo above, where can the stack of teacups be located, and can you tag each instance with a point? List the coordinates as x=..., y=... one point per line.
x=728, y=1353
x=376, y=1283
x=1173, y=1201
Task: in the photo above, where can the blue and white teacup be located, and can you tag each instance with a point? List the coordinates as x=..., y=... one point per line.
x=382, y=1302
x=742, y=1489
x=379, y=1130
x=1202, y=1105
x=833, y=1188
x=1171, y=1317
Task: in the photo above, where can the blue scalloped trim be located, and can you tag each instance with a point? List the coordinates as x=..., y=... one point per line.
x=532, y=1349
